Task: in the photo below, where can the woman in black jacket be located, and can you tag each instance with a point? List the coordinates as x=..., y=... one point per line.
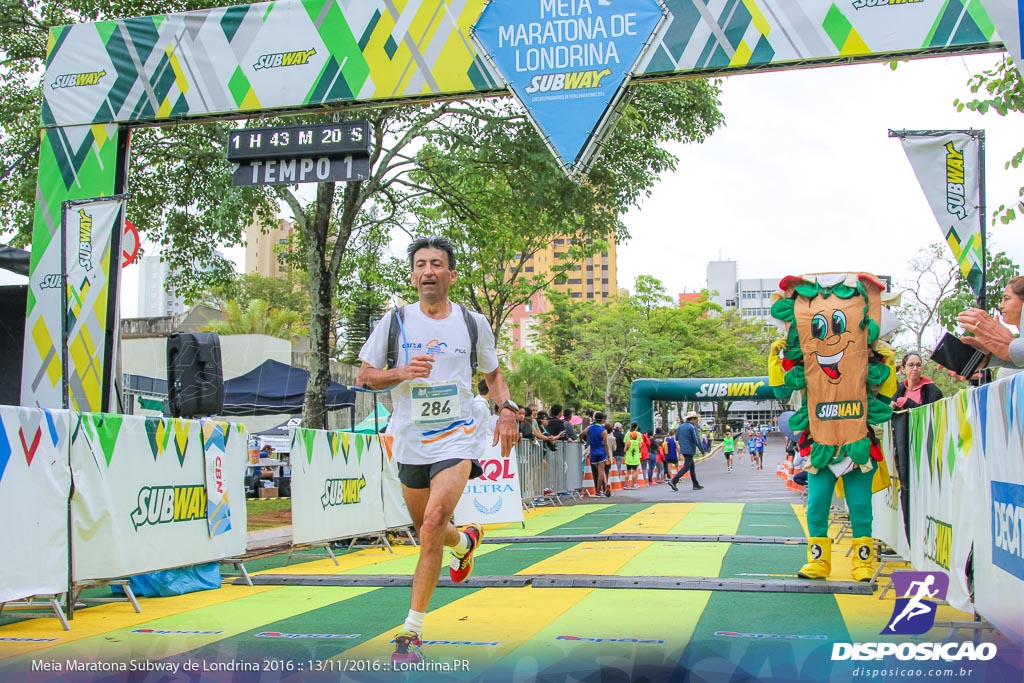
x=914, y=391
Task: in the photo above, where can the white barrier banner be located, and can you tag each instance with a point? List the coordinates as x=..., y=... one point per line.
x=35, y=482
x=887, y=525
x=998, y=455
x=495, y=496
x=336, y=485
x=140, y=499
x=396, y=514
x=945, y=493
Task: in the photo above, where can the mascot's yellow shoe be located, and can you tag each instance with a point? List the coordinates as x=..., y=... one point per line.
x=863, y=566
x=819, y=559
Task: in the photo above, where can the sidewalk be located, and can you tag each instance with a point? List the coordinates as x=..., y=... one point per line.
x=268, y=538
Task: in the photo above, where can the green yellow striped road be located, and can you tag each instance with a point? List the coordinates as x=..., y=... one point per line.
x=521, y=631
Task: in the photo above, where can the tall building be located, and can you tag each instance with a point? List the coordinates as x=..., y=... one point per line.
x=155, y=301
x=522, y=323
x=750, y=297
x=592, y=279
x=261, y=248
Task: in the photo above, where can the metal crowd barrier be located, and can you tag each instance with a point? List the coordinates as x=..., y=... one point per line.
x=546, y=475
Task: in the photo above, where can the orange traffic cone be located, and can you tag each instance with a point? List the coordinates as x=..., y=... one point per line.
x=615, y=477
x=588, y=480
x=641, y=475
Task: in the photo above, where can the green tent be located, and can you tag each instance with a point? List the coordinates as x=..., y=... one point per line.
x=369, y=423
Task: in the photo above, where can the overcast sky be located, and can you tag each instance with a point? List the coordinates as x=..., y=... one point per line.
x=804, y=178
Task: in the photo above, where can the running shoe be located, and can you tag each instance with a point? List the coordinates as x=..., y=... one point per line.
x=672, y=485
x=461, y=567
x=408, y=648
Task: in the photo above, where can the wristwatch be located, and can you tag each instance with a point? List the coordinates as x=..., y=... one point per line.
x=510, y=404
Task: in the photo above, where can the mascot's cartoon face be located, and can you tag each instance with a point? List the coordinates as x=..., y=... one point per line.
x=831, y=323
x=831, y=336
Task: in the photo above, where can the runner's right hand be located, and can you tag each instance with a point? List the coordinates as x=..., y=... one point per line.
x=419, y=367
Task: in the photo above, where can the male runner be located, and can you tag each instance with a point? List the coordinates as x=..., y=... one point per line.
x=438, y=437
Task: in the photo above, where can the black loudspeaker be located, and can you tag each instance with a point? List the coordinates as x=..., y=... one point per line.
x=13, y=301
x=195, y=376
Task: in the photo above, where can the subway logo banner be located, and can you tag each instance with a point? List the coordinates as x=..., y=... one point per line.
x=336, y=485
x=141, y=500
x=34, y=485
x=949, y=170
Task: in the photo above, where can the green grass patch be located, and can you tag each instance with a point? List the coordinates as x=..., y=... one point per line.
x=268, y=513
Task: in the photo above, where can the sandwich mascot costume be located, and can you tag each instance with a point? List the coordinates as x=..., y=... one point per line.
x=833, y=353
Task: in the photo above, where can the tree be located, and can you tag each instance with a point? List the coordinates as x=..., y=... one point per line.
x=933, y=278
x=532, y=375
x=289, y=291
x=493, y=188
x=259, y=317
x=368, y=282
x=607, y=346
x=1001, y=90
x=999, y=271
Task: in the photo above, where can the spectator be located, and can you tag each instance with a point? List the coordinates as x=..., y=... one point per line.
x=1004, y=349
x=688, y=439
x=799, y=461
x=596, y=443
x=914, y=391
x=482, y=407
x=570, y=431
x=671, y=459
x=556, y=425
x=527, y=431
x=620, y=444
x=655, y=456
x=609, y=448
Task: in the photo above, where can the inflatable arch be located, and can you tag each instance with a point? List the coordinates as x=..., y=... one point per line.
x=644, y=392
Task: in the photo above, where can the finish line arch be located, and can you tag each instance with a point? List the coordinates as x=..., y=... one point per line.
x=644, y=392
x=299, y=56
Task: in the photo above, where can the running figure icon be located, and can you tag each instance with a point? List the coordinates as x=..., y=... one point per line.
x=916, y=605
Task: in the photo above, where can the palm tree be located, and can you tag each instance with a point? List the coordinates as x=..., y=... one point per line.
x=259, y=318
